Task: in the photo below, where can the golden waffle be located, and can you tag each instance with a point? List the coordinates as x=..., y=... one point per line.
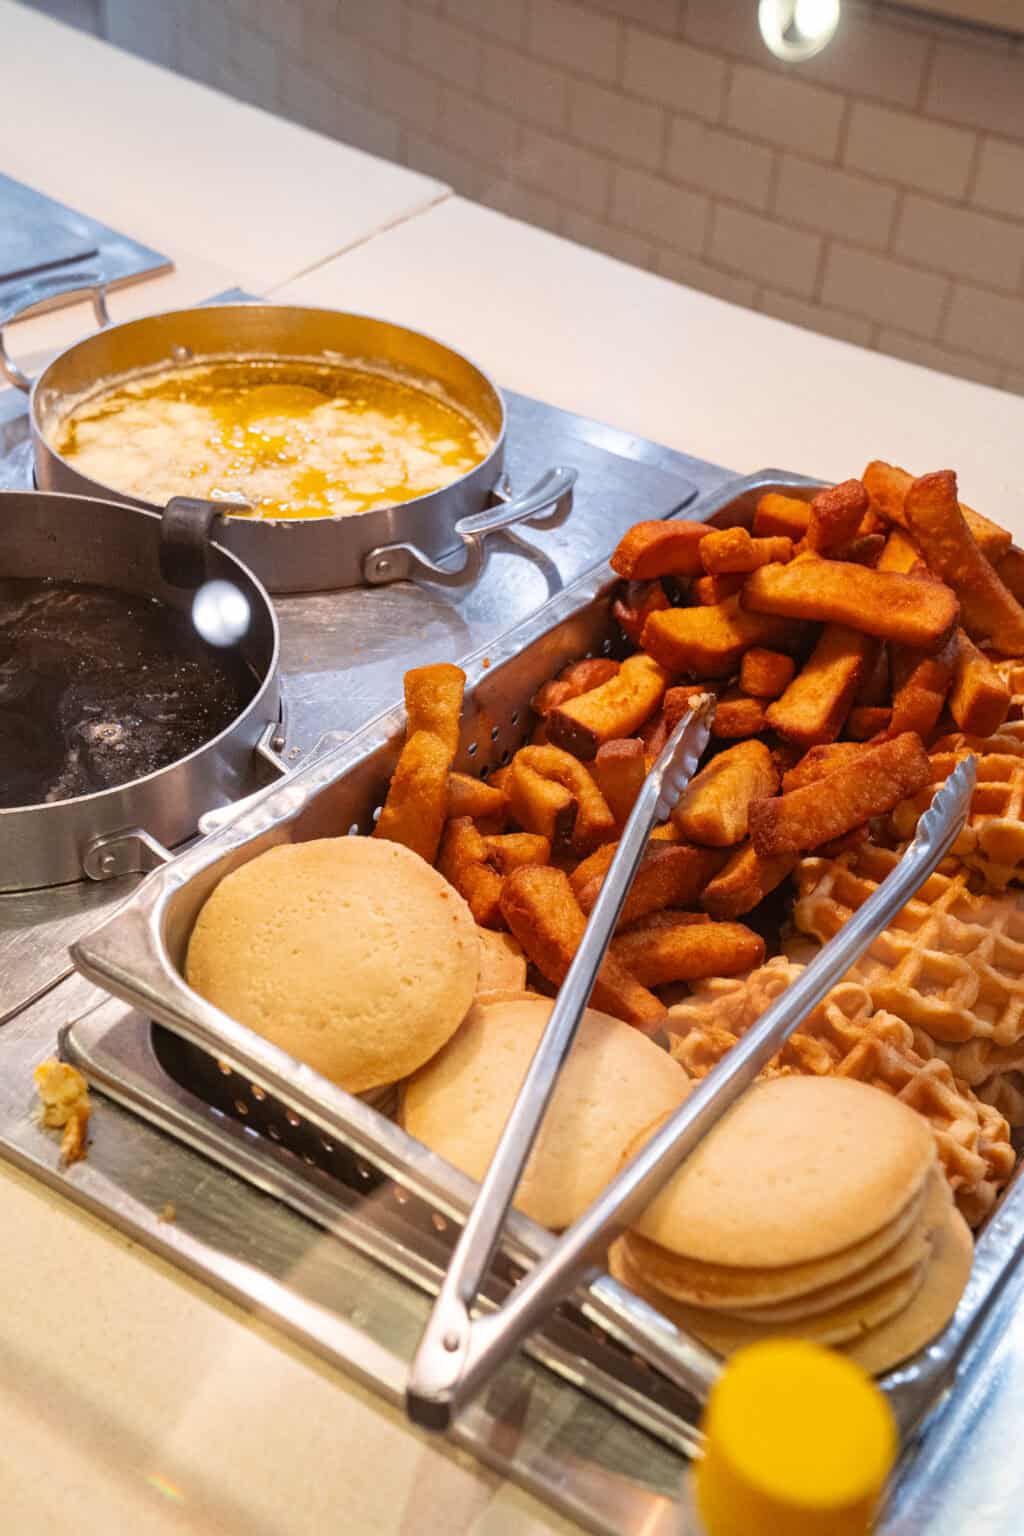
x=845, y=1038
x=951, y=963
x=992, y=841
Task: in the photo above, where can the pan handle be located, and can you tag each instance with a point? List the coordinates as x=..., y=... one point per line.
x=545, y=505
x=40, y=292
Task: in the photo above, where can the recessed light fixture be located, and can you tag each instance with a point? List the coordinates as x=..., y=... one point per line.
x=798, y=29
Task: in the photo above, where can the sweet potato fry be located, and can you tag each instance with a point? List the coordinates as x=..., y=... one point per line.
x=879, y=603
x=674, y=705
x=887, y=485
x=619, y=769
x=765, y=674
x=900, y=554
x=472, y=797
x=636, y=600
x=433, y=702
x=836, y=515
x=979, y=699
x=670, y=875
x=920, y=685
x=540, y=908
x=731, y=551
x=578, y=677
x=551, y=793
x=805, y=818
x=781, y=517
x=713, y=807
x=867, y=721
x=708, y=590
x=744, y=882
x=659, y=950
x=1010, y=570
x=816, y=703
x=463, y=861
x=988, y=611
x=512, y=850
x=416, y=805
x=652, y=549
x=616, y=709
x=708, y=642
x=818, y=762
x=737, y=716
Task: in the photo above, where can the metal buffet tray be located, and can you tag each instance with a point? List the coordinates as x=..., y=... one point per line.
x=340, y=1160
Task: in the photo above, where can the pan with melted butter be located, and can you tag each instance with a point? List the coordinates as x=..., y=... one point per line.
x=295, y=439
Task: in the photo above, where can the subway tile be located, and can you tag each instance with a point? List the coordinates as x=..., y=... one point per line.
x=457, y=171
x=697, y=274
x=574, y=38
x=505, y=19
x=484, y=133
x=366, y=128
x=1000, y=181
x=883, y=290
x=834, y=201
x=683, y=78
x=649, y=205
x=573, y=175
x=727, y=26
x=402, y=91
x=764, y=250
x=983, y=90
x=660, y=15
x=986, y=323
x=900, y=147
x=913, y=350
x=815, y=317
x=526, y=87
x=524, y=203
x=345, y=63
x=720, y=162
x=256, y=60
x=604, y=237
x=960, y=242
x=379, y=22
x=785, y=111
x=445, y=50
x=607, y=121
x=867, y=57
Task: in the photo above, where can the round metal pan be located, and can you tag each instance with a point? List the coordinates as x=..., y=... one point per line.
x=306, y=554
x=74, y=538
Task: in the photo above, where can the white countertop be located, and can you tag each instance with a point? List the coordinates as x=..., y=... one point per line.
x=135, y=1399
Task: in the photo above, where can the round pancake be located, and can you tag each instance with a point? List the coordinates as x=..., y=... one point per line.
x=351, y=953
x=613, y=1083
x=946, y=1274
x=799, y=1169
x=723, y=1333
x=720, y=1285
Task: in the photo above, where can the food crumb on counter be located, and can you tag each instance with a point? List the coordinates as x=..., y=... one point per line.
x=64, y=1105
x=169, y=1212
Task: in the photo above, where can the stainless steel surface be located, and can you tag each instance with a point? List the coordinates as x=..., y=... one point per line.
x=37, y=293
x=72, y=538
x=299, y=554
x=456, y=1354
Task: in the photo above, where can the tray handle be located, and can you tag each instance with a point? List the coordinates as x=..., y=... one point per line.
x=545, y=505
x=40, y=292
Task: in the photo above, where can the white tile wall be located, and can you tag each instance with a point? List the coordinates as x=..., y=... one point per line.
x=875, y=193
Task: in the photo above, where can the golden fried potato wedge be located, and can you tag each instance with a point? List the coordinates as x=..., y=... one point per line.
x=671, y=946
x=743, y=883
x=670, y=875
x=618, y=708
x=781, y=516
x=766, y=674
x=988, y=611
x=738, y=715
x=633, y=604
x=578, y=677
x=731, y=551
x=920, y=686
x=866, y=721
x=708, y=590
x=551, y=793
x=900, y=554
x=463, y=861
x=619, y=770
x=713, y=807
x=417, y=803
x=816, y=703
x=836, y=515
x=472, y=797
x=893, y=607
x=433, y=702
x=887, y=485
x=818, y=762
x=512, y=850
x=1010, y=570
x=652, y=549
x=709, y=641
x=806, y=818
x=979, y=699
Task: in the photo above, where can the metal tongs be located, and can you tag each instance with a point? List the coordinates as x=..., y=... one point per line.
x=458, y=1353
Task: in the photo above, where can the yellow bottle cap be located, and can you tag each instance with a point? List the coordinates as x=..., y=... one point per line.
x=798, y=1442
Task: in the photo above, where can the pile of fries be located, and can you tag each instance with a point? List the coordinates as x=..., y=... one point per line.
x=842, y=638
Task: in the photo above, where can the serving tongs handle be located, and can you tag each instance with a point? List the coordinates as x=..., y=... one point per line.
x=475, y=1349
x=446, y=1350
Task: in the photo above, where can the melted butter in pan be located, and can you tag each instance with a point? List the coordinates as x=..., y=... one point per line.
x=295, y=439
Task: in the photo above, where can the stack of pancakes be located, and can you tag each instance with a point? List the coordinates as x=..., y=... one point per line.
x=816, y=1209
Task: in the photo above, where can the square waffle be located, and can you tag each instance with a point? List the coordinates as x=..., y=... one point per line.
x=951, y=963
x=844, y=1037
x=992, y=842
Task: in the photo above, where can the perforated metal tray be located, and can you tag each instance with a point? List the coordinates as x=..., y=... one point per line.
x=332, y=1155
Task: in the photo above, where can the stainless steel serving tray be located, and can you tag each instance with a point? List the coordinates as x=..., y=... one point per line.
x=137, y=955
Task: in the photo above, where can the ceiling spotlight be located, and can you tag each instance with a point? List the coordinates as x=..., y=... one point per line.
x=798, y=29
